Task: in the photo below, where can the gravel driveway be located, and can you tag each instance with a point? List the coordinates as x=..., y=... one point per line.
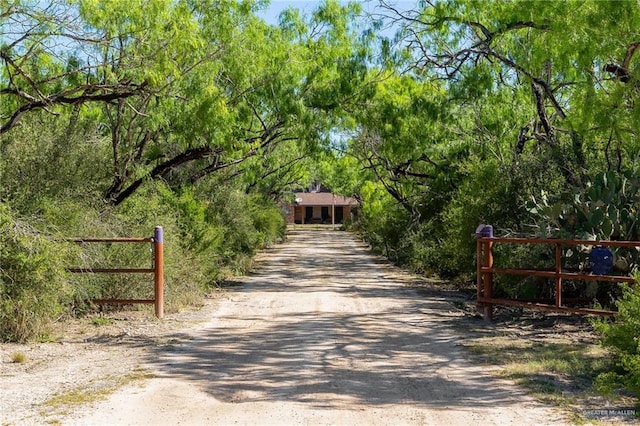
x=323, y=333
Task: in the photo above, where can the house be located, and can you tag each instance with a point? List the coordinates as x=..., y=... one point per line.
x=320, y=207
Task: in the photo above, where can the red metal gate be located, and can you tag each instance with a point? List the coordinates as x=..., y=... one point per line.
x=158, y=269
x=486, y=270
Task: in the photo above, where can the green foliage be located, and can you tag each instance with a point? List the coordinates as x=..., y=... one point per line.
x=61, y=161
x=101, y=321
x=245, y=223
x=542, y=107
x=185, y=272
x=604, y=209
x=59, y=185
x=622, y=337
x=198, y=117
x=202, y=118
x=268, y=222
x=196, y=231
x=34, y=289
x=383, y=223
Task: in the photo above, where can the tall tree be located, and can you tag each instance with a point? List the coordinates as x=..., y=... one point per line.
x=186, y=88
x=576, y=58
x=236, y=88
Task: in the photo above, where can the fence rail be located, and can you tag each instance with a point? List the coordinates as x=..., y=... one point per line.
x=158, y=269
x=486, y=271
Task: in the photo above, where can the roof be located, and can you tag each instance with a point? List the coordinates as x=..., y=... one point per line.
x=323, y=199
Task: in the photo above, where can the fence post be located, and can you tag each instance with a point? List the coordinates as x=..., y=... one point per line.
x=484, y=255
x=158, y=267
x=487, y=279
x=558, y=278
x=479, y=288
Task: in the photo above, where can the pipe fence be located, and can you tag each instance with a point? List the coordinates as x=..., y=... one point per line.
x=486, y=270
x=157, y=270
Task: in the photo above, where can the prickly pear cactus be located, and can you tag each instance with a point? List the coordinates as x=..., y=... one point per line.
x=605, y=209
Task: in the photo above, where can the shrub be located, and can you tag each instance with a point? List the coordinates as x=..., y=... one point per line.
x=43, y=160
x=247, y=224
x=185, y=270
x=440, y=236
x=34, y=290
x=208, y=235
x=268, y=221
x=58, y=178
x=19, y=357
x=622, y=337
x=383, y=223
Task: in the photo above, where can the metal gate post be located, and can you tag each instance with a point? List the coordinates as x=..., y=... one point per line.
x=487, y=278
x=478, y=274
x=558, y=277
x=158, y=266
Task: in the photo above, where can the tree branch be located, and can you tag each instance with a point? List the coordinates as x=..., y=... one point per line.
x=162, y=169
x=90, y=93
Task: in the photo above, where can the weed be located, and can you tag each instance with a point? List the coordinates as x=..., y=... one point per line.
x=91, y=392
x=560, y=372
x=459, y=304
x=19, y=357
x=101, y=321
x=552, y=370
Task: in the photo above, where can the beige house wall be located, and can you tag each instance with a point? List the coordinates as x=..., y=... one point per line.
x=296, y=214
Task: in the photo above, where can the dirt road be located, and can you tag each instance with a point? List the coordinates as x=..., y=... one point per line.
x=321, y=334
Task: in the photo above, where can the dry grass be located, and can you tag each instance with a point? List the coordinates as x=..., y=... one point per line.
x=556, y=357
x=60, y=404
x=19, y=357
x=550, y=369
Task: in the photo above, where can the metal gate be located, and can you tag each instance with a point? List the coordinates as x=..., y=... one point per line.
x=486, y=271
x=157, y=270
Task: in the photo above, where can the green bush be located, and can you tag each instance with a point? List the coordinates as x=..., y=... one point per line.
x=382, y=222
x=438, y=237
x=247, y=224
x=622, y=337
x=58, y=177
x=268, y=221
x=43, y=160
x=208, y=235
x=185, y=269
x=491, y=193
x=34, y=289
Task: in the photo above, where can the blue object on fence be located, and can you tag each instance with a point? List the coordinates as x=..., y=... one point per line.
x=484, y=231
x=601, y=260
x=158, y=234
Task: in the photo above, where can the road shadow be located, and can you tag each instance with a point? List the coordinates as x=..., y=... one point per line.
x=378, y=342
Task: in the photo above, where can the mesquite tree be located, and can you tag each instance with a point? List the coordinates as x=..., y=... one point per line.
x=185, y=89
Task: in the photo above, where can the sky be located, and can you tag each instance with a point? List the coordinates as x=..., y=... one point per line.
x=271, y=14
x=306, y=6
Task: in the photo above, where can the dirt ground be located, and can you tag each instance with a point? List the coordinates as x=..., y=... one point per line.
x=321, y=333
